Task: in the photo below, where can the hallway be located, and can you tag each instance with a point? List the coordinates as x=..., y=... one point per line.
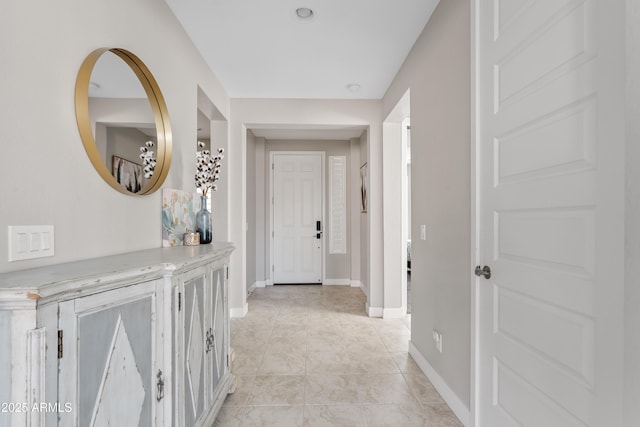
x=308, y=355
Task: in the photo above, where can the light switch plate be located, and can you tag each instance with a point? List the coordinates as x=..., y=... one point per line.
x=30, y=241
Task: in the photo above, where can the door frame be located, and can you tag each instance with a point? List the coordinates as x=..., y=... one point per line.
x=474, y=281
x=270, y=230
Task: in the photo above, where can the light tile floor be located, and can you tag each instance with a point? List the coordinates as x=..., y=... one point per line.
x=309, y=356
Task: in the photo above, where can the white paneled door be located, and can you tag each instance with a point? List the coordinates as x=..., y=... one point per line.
x=550, y=171
x=297, y=218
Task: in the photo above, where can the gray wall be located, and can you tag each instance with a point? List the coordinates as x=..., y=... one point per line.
x=632, y=273
x=296, y=114
x=251, y=209
x=336, y=266
x=75, y=199
x=261, y=207
x=437, y=71
x=364, y=222
x=125, y=142
x=124, y=111
x=354, y=220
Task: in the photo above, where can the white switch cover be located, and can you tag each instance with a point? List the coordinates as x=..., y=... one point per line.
x=30, y=241
x=423, y=232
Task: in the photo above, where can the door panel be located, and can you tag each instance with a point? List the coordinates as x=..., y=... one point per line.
x=297, y=205
x=546, y=178
x=112, y=355
x=217, y=351
x=201, y=319
x=195, y=322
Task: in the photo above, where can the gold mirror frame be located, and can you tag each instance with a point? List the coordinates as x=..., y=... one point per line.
x=160, y=113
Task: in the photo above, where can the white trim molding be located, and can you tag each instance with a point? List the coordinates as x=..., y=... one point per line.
x=239, y=312
x=454, y=402
x=394, y=313
x=359, y=284
x=251, y=288
x=339, y=282
x=256, y=284
x=373, y=311
x=18, y=299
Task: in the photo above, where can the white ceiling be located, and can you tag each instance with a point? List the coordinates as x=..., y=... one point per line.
x=261, y=49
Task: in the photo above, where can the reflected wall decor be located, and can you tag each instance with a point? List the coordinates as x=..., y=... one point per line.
x=129, y=174
x=363, y=188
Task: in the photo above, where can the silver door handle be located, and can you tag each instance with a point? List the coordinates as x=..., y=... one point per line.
x=483, y=271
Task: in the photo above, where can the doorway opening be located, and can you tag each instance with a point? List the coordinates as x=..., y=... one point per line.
x=343, y=225
x=212, y=131
x=397, y=210
x=406, y=190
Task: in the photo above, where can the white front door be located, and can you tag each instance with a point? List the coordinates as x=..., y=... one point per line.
x=551, y=180
x=297, y=218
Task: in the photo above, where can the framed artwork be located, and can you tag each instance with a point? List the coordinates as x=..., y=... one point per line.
x=364, y=197
x=130, y=175
x=178, y=215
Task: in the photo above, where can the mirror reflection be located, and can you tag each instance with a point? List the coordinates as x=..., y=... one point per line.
x=123, y=121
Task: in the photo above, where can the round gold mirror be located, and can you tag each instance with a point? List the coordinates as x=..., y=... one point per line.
x=123, y=121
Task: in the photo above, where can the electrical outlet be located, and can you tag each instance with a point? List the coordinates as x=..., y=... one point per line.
x=437, y=339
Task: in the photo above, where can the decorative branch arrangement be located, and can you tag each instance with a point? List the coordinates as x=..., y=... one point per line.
x=148, y=157
x=208, y=168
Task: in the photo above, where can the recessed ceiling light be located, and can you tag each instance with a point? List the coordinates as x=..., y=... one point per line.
x=353, y=87
x=304, y=13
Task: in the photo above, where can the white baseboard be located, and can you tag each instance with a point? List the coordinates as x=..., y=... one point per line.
x=359, y=284
x=268, y=282
x=257, y=284
x=239, y=312
x=394, y=313
x=336, y=282
x=454, y=402
x=373, y=311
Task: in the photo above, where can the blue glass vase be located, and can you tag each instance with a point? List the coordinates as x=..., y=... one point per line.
x=203, y=222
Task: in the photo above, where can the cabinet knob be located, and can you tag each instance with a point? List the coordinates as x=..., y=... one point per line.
x=210, y=340
x=159, y=386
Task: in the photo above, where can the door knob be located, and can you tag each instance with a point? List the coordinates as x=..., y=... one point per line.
x=483, y=271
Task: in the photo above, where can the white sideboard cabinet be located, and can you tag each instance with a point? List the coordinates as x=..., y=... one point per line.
x=136, y=339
